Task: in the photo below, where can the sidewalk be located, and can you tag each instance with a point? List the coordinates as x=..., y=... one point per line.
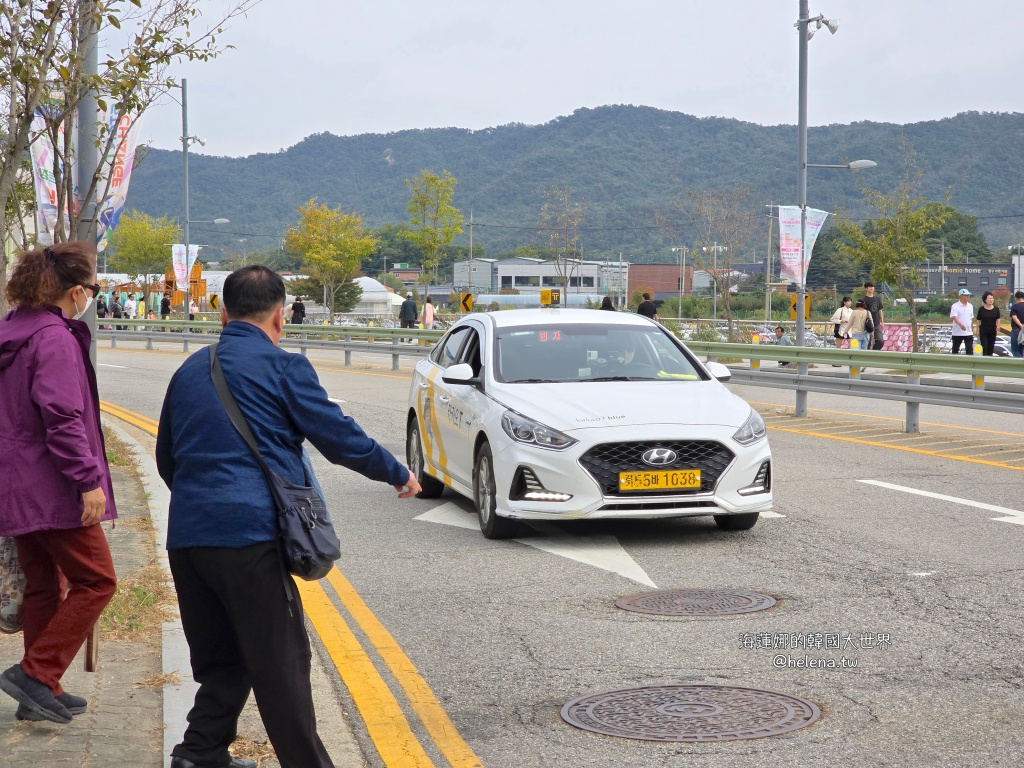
x=141, y=694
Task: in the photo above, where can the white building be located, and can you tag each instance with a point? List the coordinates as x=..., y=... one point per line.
x=528, y=275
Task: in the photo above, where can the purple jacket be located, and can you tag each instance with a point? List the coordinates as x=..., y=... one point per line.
x=51, y=445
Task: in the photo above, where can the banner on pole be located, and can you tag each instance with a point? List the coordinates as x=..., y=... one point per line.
x=795, y=260
x=44, y=159
x=120, y=160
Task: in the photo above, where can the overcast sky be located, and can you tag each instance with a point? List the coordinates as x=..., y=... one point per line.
x=309, y=66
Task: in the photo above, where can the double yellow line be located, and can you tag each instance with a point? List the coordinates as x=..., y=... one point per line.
x=379, y=708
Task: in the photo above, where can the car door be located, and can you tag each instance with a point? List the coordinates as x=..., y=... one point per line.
x=465, y=408
x=432, y=403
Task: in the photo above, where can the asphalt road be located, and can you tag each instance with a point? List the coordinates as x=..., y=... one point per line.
x=928, y=591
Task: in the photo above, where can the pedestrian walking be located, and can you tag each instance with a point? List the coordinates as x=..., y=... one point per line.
x=647, y=308
x=841, y=321
x=116, y=310
x=298, y=311
x=988, y=323
x=242, y=617
x=56, y=489
x=861, y=326
x=165, y=307
x=408, y=312
x=606, y=304
x=962, y=314
x=1017, y=325
x=130, y=307
x=873, y=304
x=193, y=309
x=428, y=314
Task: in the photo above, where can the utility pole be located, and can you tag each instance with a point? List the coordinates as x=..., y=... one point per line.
x=470, y=250
x=87, y=155
x=768, y=273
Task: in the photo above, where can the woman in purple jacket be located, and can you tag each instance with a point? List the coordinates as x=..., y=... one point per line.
x=54, y=479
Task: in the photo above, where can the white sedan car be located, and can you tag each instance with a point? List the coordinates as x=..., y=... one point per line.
x=563, y=414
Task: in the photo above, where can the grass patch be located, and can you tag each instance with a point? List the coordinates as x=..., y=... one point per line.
x=139, y=606
x=260, y=751
x=159, y=681
x=118, y=452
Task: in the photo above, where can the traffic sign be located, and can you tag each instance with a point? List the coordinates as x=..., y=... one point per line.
x=556, y=296
x=467, y=302
x=792, y=306
x=214, y=302
x=545, y=297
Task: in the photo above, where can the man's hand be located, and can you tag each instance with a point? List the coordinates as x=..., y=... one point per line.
x=95, y=504
x=410, y=489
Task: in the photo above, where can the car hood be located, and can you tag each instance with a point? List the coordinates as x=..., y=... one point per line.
x=582, y=405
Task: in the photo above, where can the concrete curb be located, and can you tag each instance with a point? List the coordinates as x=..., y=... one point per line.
x=178, y=699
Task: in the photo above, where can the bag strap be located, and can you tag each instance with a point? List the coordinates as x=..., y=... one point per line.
x=232, y=409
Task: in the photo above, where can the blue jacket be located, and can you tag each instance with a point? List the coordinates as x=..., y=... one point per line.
x=219, y=496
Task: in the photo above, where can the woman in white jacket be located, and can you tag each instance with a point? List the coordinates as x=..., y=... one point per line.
x=841, y=321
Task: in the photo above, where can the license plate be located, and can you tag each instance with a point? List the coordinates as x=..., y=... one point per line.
x=662, y=480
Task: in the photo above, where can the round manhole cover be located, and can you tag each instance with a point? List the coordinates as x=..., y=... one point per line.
x=696, y=602
x=690, y=713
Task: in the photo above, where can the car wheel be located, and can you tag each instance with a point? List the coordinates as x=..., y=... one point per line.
x=485, y=498
x=737, y=522
x=432, y=487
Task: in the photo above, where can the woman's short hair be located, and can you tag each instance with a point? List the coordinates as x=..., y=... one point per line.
x=40, y=277
x=861, y=304
x=846, y=299
x=985, y=295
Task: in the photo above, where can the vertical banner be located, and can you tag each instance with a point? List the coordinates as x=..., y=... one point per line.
x=180, y=268
x=118, y=163
x=44, y=182
x=793, y=258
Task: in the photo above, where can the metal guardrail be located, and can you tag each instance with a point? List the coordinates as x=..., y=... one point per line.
x=335, y=337
x=904, y=384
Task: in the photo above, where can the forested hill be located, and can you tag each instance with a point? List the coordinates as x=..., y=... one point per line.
x=624, y=163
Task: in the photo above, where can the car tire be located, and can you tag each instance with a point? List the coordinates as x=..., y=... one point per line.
x=742, y=522
x=485, y=498
x=414, y=457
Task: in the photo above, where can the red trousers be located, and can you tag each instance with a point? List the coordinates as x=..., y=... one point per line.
x=56, y=626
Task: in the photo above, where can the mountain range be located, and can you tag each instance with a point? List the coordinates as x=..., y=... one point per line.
x=625, y=164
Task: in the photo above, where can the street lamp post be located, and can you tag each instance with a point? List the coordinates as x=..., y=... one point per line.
x=804, y=33
x=682, y=250
x=715, y=248
x=186, y=142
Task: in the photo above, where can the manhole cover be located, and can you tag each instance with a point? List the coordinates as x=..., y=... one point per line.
x=696, y=602
x=690, y=713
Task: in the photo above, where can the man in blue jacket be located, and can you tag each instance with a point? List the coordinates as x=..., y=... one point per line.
x=243, y=627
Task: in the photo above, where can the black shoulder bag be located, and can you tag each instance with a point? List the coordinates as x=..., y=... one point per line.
x=309, y=546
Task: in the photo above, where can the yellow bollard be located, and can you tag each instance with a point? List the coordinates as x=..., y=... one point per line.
x=977, y=349
x=371, y=338
x=854, y=370
x=755, y=364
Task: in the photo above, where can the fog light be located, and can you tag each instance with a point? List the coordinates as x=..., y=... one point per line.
x=546, y=496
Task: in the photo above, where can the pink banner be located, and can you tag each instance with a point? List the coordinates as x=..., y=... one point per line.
x=793, y=268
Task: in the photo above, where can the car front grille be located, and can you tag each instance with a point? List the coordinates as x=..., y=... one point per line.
x=604, y=462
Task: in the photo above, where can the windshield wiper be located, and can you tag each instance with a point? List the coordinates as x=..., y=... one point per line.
x=610, y=378
x=534, y=381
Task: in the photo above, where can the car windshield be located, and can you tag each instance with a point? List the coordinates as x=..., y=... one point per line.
x=558, y=353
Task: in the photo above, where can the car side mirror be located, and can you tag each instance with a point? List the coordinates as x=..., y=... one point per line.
x=459, y=374
x=719, y=371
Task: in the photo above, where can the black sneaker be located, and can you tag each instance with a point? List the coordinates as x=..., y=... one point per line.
x=34, y=695
x=76, y=705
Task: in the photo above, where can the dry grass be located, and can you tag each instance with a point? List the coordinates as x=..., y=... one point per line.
x=118, y=452
x=260, y=751
x=140, y=605
x=159, y=681
x=142, y=523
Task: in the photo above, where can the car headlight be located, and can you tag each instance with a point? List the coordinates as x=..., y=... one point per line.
x=530, y=432
x=752, y=429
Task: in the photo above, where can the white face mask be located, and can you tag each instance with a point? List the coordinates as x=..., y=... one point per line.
x=88, y=303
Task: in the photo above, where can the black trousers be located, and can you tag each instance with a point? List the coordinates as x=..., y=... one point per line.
x=988, y=342
x=244, y=634
x=966, y=341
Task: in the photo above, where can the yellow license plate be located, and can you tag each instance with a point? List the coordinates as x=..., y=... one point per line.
x=663, y=480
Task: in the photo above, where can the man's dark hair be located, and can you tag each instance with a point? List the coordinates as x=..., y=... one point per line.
x=647, y=297
x=780, y=328
x=253, y=292
x=869, y=284
x=1019, y=295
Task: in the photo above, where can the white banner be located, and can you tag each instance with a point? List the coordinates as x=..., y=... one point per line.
x=120, y=161
x=793, y=267
x=181, y=269
x=44, y=181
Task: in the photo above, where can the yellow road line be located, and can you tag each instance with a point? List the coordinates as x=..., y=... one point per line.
x=889, y=418
x=378, y=707
x=906, y=448
x=137, y=419
x=441, y=729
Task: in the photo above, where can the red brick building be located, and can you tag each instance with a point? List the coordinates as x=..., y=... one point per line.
x=663, y=278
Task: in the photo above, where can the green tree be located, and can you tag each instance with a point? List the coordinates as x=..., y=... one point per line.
x=391, y=282
x=958, y=239
x=893, y=243
x=333, y=245
x=435, y=221
x=140, y=246
x=393, y=247
x=831, y=267
x=42, y=68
